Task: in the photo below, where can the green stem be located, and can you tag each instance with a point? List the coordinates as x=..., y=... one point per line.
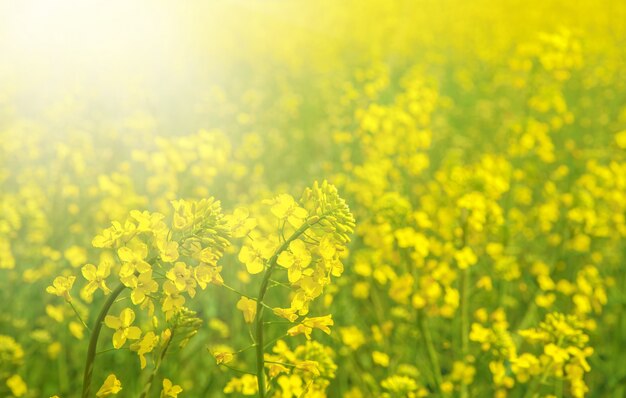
x=465, y=286
x=260, y=349
x=93, y=341
x=148, y=386
x=465, y=293
x=78, y=316
x=430, y=350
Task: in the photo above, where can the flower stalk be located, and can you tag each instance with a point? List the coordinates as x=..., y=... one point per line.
x=93, y=341
x=259, y=336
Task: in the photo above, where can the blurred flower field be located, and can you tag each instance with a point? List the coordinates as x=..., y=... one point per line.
x=286, y=199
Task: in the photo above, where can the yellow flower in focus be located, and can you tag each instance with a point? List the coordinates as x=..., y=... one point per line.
x=287, y=313
x=285, y=208
x=205, y=274
x=111, y=386
x=248, y=307
x=182, y=277
x=168, y=250
x=143, y=285
x=61, y=287
x=96, y=277
x=295, y=260
x=173, y=299
x=321, y=322
x=327, y=248
x=170, y=390
x=254, y=254
x=122, y=327
x=133, y=260
x=275, y=369
x=144, y=346
x=308, y=324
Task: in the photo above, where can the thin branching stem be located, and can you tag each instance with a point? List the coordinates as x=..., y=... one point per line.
x=93, y=341
x=260, y=348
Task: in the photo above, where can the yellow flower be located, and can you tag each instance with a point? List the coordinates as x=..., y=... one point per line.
x=170, y=390
x=206, y=274
x=133, y=260
x=96, y=277
x=327, y=248
x=309, y=366
x=7, y=261
x=168, y=250
x=239, y=222
x=285, y=208
x=173, y=299
x=143, y=285
x=352, y=337
x=321, y=322
x=300, y=329
x=61, y=287
x=558, y=354
x=109, y=236
x=77, y=330
x=401, y=288
x=275, y=369
x=17, y=385
x=295, y=260
x=183, y=216
x=254, y=254
x=111, y=386
x=122, y=327
x=482, y=335
x=465, y=257
x=182, y=277
x=223, y=357
x=399, y=384
x=380, y=358
x=144, y=346
x=620, y=139
x=248, y=307
x=525, y=366
x=246, y=385
x=75, y=256
x=287, y=313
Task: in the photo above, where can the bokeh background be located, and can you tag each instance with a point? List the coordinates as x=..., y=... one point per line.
x=493, y=126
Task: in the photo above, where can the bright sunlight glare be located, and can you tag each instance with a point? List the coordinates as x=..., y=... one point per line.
x=98, y=45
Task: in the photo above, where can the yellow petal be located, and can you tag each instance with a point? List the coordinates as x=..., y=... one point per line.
x=112, y=321
x=133, y=333
x=89, y=272
x=127, y=316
